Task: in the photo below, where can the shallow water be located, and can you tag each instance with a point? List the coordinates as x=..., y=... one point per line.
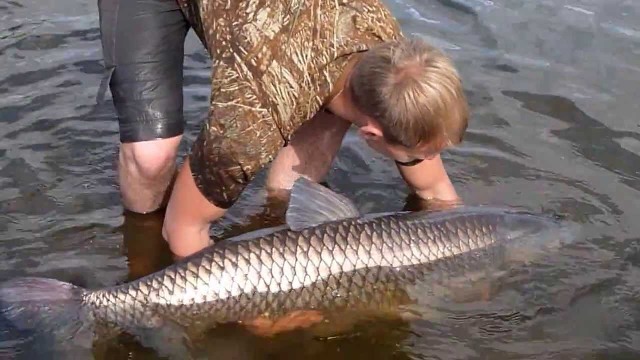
x=553, y=90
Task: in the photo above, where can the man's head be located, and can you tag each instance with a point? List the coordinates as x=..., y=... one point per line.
x=411, y=97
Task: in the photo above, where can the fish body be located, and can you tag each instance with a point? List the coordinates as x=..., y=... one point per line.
x=329, y=258
x=294, y=270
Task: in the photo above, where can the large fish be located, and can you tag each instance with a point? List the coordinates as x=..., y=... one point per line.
x=328, y=258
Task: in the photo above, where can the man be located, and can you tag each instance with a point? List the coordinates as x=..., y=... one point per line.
x=289, y=78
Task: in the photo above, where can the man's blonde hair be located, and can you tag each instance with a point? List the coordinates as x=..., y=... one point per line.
x=413, y=90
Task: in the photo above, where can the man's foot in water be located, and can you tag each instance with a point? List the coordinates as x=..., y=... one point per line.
x=144, y=246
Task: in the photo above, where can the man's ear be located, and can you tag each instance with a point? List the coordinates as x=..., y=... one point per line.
x=371, y=131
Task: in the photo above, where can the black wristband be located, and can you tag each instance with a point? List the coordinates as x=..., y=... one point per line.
x=409, y=163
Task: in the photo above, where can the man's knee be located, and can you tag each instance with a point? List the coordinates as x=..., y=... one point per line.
x=149, y=159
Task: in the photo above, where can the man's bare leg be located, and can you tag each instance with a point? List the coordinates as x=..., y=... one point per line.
x=145, y=171
x=143, y=244
x=310, y=153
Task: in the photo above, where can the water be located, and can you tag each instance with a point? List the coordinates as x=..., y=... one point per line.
x=553, y=90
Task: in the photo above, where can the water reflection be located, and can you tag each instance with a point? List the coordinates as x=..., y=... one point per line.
x=370, y=340
x=588, y=136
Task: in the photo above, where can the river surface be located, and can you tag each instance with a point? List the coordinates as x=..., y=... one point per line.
x=555, y=126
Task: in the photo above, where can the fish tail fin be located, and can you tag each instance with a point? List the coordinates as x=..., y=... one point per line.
x=44, y=307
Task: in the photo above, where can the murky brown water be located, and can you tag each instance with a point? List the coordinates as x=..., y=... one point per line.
x=556, y=125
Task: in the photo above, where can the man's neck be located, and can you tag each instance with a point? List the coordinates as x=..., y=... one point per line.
x=341, y=104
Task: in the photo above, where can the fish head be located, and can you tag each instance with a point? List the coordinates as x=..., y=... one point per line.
x=527, y=236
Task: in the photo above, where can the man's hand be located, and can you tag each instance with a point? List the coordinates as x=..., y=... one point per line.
x=413, y=202
x=298, y=319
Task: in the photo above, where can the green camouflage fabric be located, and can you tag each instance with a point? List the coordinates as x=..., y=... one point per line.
x=274, y=65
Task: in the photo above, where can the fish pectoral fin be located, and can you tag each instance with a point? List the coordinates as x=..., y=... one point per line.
x=263, y=326
x=312, y=204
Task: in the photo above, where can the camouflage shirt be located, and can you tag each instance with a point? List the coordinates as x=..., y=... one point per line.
x=274, y=64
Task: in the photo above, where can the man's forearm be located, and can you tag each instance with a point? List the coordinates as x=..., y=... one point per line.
x=443, y=190
x=430, y=180
x=310, y=152
x=188, y=216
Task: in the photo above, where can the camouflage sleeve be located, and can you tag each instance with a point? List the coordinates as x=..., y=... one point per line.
x=239, y=138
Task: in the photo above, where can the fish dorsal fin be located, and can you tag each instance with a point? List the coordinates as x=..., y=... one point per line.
x=312, y=204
